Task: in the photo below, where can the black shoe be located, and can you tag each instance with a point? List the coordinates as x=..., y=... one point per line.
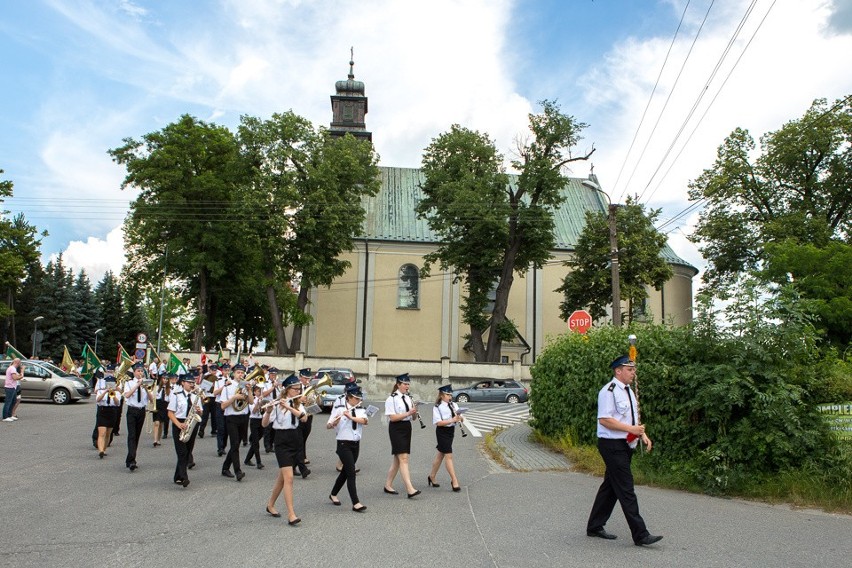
x=240, y=475
x=201, y=434
x=415, y=494
x=360, y=509
x=227, y=473
x=650, y=539
x=267, y=450
x=185, y=482
x=430, y=482
x=133, y=467
x=601, y=533
x=276, y=515
x=333, y=502
x=245, y=444
x=260, y=465
x=390, y=491
x=165, y=436
x=101, y=454
x=116, y=433
x=190, y=465
x=178, y=482
x=221, y=453
x=249, y=462
x=457, y=488
x=305, y=472
x=294, y=522
x=213, y=432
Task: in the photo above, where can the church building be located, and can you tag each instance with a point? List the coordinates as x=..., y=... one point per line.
x=382, y=306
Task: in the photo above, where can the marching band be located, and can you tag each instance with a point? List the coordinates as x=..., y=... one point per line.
x=280, y=411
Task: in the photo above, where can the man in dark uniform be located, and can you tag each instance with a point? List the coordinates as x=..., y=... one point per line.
x=137, y=401
x=619, y=432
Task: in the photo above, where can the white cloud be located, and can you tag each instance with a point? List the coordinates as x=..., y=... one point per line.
x=96, y=256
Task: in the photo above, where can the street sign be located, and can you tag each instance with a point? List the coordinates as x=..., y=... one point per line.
x=580, y=321
x=140, y=354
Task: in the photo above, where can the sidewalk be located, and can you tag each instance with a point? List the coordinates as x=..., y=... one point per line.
x=522, y=454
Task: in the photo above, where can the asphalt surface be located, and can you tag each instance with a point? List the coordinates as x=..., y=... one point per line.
x=63, y=506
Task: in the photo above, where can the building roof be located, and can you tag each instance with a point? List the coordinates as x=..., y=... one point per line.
x=391, y=215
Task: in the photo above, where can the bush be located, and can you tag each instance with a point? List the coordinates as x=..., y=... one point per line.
x=723, y=406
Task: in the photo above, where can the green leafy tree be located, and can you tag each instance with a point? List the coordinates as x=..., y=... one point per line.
x=796, y=189
x=19, y=244
x=311, y=185
x=58, y=306
x=589, y=284
x=491, y=229
x=188, y=175
x=133, y=318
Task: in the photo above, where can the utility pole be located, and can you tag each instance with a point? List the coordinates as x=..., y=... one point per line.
x=613, y=255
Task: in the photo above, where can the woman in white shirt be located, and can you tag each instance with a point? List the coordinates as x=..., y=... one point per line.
x=284, y=416
x=445, y=416
x=348, y=420
x=400, y=410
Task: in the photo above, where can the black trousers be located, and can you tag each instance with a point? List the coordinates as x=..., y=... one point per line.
x=237, y=427
x=347, y=451
x=117, y=429
x=184, y=452
x=219, y=425
x=617, y=486
x=269, y=440
x=135, y=423
x=256, y=431
x=206, y=411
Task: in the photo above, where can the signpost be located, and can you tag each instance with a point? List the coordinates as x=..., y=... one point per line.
x=580, y=321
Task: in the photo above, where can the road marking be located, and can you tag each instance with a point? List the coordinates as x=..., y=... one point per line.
x=488, y=416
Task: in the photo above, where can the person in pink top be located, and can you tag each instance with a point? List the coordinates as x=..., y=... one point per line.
x=13, y=377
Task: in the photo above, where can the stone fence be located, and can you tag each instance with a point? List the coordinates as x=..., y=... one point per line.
x=380, y=374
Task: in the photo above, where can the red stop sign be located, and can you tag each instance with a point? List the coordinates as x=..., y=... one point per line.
x=580, y=321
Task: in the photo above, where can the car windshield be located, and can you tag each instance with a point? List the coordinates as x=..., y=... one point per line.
x=338, y=377
x=57, y=370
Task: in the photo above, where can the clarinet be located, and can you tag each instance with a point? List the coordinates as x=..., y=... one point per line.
x=460, y=423
x=417, y=414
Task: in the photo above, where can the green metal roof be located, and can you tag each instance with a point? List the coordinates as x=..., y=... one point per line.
x=391, y=214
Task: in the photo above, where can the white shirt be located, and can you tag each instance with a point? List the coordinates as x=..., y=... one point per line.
x=613, y=402
x=254, y=409
x=152, y=368
x=441, y=412
x=344, y=428
x=101, y=386
x=180, y=401
x=395, y=404
x=227, y=393
x=132, y=399
x=283, y=419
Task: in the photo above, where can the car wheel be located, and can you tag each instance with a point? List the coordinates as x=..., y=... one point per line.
x=61, y=396
x=513, y=399
x=463, y=398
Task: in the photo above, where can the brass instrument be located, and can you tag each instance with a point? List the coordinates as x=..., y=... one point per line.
x=193, y=417
x=311, y=391
x=243, y=388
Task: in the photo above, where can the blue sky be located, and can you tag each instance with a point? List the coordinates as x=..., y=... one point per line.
x=81, y=75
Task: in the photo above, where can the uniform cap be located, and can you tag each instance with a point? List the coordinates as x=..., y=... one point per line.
x=623, y=361
x=290, y=381
x=305, y=372
x=448, y=389
x=239, y=367
x=403, y=378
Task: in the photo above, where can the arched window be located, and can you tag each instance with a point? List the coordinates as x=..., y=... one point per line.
x=408, y=297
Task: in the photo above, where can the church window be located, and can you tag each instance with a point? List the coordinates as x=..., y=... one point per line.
x=408, y=297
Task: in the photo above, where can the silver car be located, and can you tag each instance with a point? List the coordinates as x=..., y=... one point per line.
x=45, y=381
x=340, y=377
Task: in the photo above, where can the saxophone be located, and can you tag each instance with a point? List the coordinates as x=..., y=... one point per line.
x=193, y=417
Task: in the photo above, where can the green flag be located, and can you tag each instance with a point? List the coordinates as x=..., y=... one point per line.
x=175, y=366
x=12, y=353
x=220, y=356
x=91, y=363
x=125, y=361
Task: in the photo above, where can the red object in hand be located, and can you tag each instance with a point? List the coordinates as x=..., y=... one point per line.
x=631, y=438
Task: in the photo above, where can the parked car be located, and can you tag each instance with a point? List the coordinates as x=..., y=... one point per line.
x=340, y=377
x=492, y=391
x=45, y=381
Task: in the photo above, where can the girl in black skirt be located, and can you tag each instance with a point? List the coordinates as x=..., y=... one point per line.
x=108, y=398
x=284, y=417
x=400, y=410
x=161, y=415
x=445, y=416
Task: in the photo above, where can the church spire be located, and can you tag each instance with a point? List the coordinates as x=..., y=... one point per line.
x=349, y=106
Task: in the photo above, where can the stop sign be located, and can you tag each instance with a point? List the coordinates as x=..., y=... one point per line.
x=580, y=321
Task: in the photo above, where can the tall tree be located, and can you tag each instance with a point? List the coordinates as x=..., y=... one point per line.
x=589, y=284
x=311, y=185
x=490, y=229
x=796, y=189
x=133, y=318
x=19, y=243
x=88, y=314
x=57, y=305
x=111, y=308
x=188, y=175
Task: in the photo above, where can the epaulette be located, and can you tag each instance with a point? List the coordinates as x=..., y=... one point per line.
x=611, y=387
x=394, y=394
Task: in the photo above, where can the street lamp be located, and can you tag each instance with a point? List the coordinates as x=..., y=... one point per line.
x=96, y=341
x=35, y=335
x=162, y=295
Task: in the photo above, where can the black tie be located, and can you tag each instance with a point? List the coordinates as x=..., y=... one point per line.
x=405, y=402
x=139, y=393
x=354, y=426
x=632, y=412
x=452, y=412
x=188, y=404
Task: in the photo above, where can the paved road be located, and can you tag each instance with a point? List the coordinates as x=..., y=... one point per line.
x=62, y=506
x=489, y=415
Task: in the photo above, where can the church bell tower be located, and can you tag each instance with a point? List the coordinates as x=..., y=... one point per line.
x=349, y=106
